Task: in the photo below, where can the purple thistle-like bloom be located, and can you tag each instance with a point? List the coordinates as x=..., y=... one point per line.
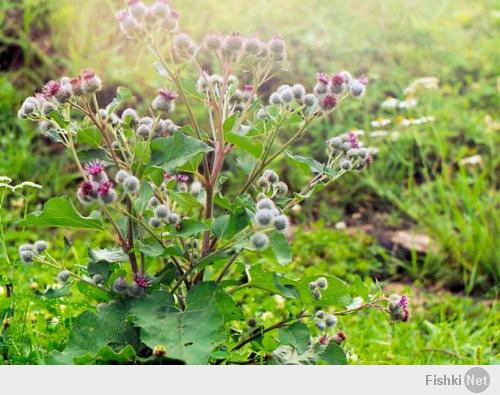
x=323, y=78
x=337, y=80
x=403, y=302
x=141, y=280
x=248, y=88
x=168, y=95
x=364, y=80
x=94, y=168
x=104, y=188
x=86, y=189
x=181, y=177
x=51, y=88
x=353, y=139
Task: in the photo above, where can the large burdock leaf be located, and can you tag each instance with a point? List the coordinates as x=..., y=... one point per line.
x=189, y=335
x=171, y=152
x=60, y=212
x=93, y=332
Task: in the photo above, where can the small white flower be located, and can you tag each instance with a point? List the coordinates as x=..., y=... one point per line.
x=390, y=103
x=472, y=160
x=379, y=133
x=380, y=122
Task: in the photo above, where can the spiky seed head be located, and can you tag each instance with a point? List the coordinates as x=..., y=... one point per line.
x=345, y=164
x=357, y=88
x=327, y=102
x=131, y=184
x=251, y=46
x=331, y=320
x=155, y=222
x=40, y=246
x=265, y=203
x=320, y=324
x=138, y=9
x=129, y=116
x=312, y=285
x=153, y=202
x=173, y=219
x=322, y=282
x=212, y=42
x=264, y=218
x=262, y=114
x=281, y=188
x=320, y=314
x=63, y=276
x=98, y=279
x=233, y=43
x=277, y=45
x=159, y=9
x=120, y=285
x=316, y=294
x=262, y=182
x=287, y=95
x=162, y=211
x=275, y=98
x=298, y=91
x=109, y=197
x=339, y=337
x=26, y=247
x=120, y=176
x=144, y=131
x=281, y=222
x=310, y=100
x=271, y=176
x=259, y=240
x=26, y=255
x=320, y=89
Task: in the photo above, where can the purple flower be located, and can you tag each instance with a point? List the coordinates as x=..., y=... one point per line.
x=181, y=177
x=94, y=168
x=353, y=139
x=141, y=280
x=167, y=95
x=51, y=88
x=104, y=188
x=323, y=78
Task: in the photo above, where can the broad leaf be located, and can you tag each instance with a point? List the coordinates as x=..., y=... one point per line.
x=296, y=335
x=171, y=152
x=281, y=248
x=60, y=212
x=190, y=335
x=91, y=332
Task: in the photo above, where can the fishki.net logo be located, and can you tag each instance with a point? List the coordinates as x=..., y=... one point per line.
x=476, y=380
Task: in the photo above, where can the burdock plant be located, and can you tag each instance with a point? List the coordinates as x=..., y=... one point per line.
x=187, y=238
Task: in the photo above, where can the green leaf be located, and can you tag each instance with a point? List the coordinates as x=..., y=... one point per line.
x=281, y=248
x=90, y=136
x=229, y=123
x=171, y=152
x=190, y=335
x=287, y=290
x=336, y=294
x=360, y=288
x=185, y=200
x=227, y=226
x=109, y=356
x=60, y=212
x=246, y=143
x=190, y=227
x=87, y=155
x=91, y=332
x=296, y=335
x=333, y=355
x=93, y=292
x=57, y=293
